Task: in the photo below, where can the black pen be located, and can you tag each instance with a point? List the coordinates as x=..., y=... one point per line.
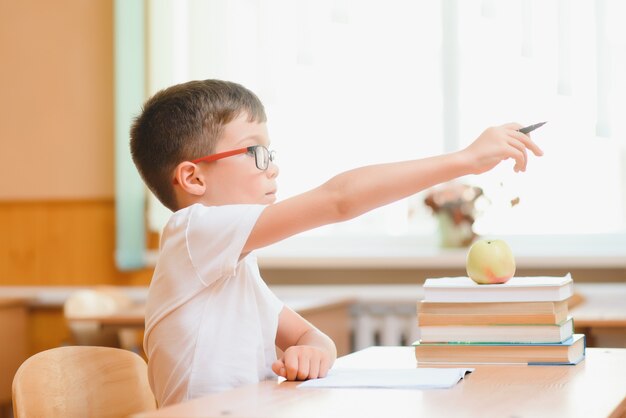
x=529, y=129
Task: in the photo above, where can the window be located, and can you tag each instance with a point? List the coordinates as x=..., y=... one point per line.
x=366, y=82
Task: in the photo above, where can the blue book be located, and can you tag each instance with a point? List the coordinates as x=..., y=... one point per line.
x=568, y=352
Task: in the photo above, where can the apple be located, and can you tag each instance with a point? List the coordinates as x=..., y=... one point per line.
x=490, y=262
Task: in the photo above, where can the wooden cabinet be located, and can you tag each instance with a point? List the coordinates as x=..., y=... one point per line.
x=13, y=345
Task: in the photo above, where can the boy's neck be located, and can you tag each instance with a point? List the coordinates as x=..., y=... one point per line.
x=185, y=200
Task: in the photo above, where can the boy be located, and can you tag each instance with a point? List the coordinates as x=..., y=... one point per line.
x=211, y=322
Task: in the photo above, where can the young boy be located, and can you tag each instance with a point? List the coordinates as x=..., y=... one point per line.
x=211, y=322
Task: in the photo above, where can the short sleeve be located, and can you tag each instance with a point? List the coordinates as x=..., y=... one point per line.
x=215, y=238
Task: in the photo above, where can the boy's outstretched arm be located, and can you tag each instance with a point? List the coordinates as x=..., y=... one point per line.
x=307, y=352
x=357, y=191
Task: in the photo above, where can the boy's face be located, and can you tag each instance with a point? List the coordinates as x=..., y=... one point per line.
x=237, y=179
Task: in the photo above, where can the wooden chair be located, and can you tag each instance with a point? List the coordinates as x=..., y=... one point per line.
x=81, y=381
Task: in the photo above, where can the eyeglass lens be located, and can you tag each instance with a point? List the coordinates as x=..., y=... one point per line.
x=262, y=157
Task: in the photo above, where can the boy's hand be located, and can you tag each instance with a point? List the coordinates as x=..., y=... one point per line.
x=497, y=144
x=302, y=362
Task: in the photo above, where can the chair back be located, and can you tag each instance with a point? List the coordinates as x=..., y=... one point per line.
x=82, y=381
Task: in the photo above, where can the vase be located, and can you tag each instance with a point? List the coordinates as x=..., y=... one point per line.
x=454, y=234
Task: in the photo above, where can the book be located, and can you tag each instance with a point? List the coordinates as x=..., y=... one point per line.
x=570, y=351
x=505, y=333
x=491, y=313
x=517, y=289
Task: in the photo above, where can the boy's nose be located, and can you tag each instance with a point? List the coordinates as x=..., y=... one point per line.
x=272, y=170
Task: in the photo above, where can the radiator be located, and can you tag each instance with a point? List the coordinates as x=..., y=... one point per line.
x=383, y=323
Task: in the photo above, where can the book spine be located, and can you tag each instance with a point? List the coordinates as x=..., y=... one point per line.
x=425, y=319
x=496, y=308
x=505, y=334
x=473, y=296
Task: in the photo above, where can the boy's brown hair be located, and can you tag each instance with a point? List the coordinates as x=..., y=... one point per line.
x=184, y=122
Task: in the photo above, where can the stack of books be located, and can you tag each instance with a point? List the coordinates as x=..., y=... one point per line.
x=524, y=320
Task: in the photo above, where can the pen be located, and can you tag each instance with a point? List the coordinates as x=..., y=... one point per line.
x=529, y=129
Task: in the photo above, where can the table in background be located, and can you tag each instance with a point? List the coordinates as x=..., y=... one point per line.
x=330, y=314
x=593, y=388
x=601, y=315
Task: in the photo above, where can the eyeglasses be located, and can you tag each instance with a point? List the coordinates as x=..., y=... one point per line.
x=262, y=156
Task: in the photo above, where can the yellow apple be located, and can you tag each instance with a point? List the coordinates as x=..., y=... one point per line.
x=490, y=262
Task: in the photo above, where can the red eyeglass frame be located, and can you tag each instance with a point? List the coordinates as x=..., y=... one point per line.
x=225, y=154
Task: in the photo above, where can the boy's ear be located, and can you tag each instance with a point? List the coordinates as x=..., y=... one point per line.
x=189, y=177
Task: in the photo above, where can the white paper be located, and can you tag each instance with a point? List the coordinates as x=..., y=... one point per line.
x=422, y=378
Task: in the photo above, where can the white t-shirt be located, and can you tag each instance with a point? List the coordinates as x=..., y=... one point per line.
x=211, y=321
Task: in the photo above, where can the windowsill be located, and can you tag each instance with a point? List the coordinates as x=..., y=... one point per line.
x=405, y=252
x=402, y=252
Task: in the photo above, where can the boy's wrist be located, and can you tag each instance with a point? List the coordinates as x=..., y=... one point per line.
x=462, y=163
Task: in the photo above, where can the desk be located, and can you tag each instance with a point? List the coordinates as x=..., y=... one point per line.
x=593, y=388
x=330, y=314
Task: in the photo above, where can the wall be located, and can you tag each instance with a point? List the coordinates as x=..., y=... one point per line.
x=56, y=164
x=56, y=128
x=57, y=108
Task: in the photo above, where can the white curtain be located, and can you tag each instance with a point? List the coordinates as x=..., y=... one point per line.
x=347, y=83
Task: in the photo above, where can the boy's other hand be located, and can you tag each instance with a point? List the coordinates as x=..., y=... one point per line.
x=302, y=362
x=499, y=143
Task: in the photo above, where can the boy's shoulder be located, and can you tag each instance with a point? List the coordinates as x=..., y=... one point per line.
x=207, y=235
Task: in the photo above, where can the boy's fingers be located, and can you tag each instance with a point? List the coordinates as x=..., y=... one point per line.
x=528, y=143
x=279, y=368
x=521, y=148
x=518, y=156
x=303, y=368
x=314, y=370
x=291, y=367
x=512, y=125
x=324, y=366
